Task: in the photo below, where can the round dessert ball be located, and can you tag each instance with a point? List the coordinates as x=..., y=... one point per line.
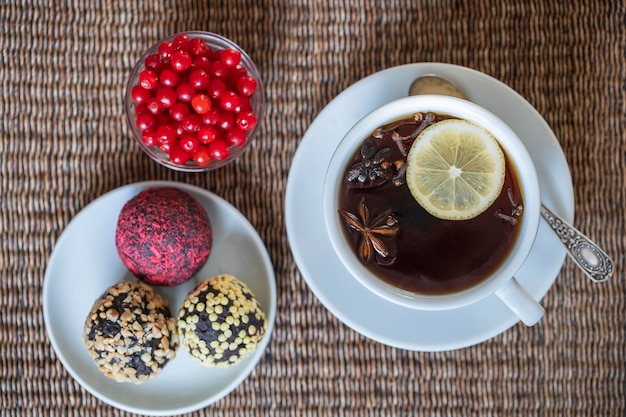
x=221, y=322
x=130, y=332
x=163, y=236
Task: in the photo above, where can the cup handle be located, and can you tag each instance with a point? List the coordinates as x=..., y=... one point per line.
x=520, y=302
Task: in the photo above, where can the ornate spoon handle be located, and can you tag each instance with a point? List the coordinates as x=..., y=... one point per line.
x=588, y=256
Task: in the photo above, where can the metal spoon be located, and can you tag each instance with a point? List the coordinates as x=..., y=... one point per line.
x=592, y=260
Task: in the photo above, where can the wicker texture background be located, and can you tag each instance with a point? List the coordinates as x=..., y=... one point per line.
x=64, y=142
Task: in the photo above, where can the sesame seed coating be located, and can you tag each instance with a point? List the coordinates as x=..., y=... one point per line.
x=221, y=322
x=130, y=332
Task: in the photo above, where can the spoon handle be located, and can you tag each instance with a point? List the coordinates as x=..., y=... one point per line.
x=594, y=262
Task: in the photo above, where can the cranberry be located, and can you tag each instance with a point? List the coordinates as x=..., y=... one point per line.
x=178, y=155
x=166, y=133
x=180, y=60
x=245, y=85
x=189, y=143
x=218, y=70
x=212, y=117
x=229, y=100
x=153, y=62
x=237, y=72
x=201, y=156
x=201, y=103
x=149, y=137
x=246, y=121
x=165, y=50
x=199, y=79
x=148, y=79
x=216, y=88
x=185, y=92
x=154, y=106
x=202, y=63
x=140, y=94
x=198, y=47
x=169, y=77
x=165, y=147
x=226, y=121
x=236, y=137
x=166, y=96
x=178, y=111
x=144, y=121
x=191, y=122
x=218, y=149
x=230, y=58
x=207, y=134
x=182, y=41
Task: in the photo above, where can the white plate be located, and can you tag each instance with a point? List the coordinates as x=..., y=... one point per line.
x=84, y=263
x=357, y=307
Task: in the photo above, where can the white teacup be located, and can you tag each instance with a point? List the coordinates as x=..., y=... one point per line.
x=501, y=282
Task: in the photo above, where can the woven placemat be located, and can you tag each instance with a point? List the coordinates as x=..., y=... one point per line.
x=64, y=142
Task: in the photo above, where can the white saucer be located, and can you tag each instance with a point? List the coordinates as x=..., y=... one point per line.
x=359, y=308
x=84, y=263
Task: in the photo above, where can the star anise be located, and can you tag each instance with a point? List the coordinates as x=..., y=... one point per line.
x=375, y=234
x=372, y=170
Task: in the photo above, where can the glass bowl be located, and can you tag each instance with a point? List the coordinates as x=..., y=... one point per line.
x=154, y=147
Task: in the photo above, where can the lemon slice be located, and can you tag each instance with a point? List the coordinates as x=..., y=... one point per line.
x=455, y=169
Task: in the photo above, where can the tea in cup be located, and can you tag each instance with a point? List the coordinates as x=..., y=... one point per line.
x=426, y=236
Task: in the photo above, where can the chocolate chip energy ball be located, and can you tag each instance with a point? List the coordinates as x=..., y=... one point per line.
x=163, y=236
x=221, y=322
x=130, y=332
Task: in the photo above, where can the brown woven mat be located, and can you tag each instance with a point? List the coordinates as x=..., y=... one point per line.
x=64, y=142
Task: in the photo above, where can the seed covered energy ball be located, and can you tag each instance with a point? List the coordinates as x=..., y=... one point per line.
x=131, y=333
x=163, y=236
x=221, y=322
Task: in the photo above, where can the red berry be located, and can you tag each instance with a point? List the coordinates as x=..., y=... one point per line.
x=154, y=106
x=166, y=96
x=181, y=41
x=218, y=150
x=230, y=57
x=236, y=137
x=226, y=121
x=165, y=147
x=189, y=143
x=148, y=79
x=153, y=62
x=165, y=50
x=191, y=122
x=201, y=156
x=207, y=134
x=149, y=137
x=218, y=70
x=229, y=100
x=237, y=72
x=141, y=109
x=140, y=94
x=212, y=117
x=166, y=133
x=178, y=155
x=169, y=77
x=178, y=111
x=197, y=46
x=199, y=79
x=201, y=103
x=244, y=105
x=180, y=60
x=216, y=88
x=185, y=92
x=144, y=121
x=202, y=63
x=245, y=85
x=246, y=121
